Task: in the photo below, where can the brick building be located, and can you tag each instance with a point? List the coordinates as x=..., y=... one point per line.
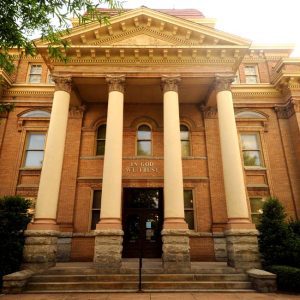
x=160, y=134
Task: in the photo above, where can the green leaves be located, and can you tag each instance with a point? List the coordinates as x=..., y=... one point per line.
x=50, y=19
x=14, y=217
x=279, y=242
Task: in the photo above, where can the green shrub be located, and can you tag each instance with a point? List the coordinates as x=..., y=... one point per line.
x=288, y=278
x=14, y=217
x=274, y=233
x=294, y=225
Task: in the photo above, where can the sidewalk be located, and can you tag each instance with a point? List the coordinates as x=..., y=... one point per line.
x=152, y=296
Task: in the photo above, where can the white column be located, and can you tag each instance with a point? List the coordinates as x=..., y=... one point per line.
x=235, y=189
x=110, y=216
x=173, y=179
x=48, y=194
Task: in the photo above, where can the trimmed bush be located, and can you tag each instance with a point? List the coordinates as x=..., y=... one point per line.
x=275, y=235
x=14, y=217
x=288, y=278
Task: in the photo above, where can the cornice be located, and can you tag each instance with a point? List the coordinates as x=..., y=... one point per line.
x=255, y=90
x=30, y=90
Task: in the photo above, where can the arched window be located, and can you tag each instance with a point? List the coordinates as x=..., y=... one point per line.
x=144, y=141
x=36, y=114
x=185, y=140
x=100, y=141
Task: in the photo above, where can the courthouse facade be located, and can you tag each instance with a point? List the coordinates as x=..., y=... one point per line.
x=161, y=135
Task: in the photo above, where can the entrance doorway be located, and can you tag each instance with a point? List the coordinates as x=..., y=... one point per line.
x=142, y=222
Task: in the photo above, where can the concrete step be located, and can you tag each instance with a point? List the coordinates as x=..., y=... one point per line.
x=86, y=286
x=85, y=278
x=188, y=285
x=194, y=277
x=134, y=277
x=150, y=285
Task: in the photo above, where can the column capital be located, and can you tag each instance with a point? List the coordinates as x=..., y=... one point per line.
x=287, y=110
x=170, y=83
x=223, y=83
x=63, y=83
x=116, y=83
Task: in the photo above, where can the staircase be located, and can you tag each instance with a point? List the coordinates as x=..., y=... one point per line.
x=82, y=277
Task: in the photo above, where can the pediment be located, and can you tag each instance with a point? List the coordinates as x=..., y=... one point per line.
x=146, y=27
x=142, y=40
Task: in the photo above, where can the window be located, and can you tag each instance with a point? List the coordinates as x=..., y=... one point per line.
x=251, y=75
x=185, y=140
x=35, y=74
x=34, y=152
x=256, y=204
x=36, y=114
x=189, y=208
x=144, y=140
x=96, y=206
x=251, y=149
x=100, y=141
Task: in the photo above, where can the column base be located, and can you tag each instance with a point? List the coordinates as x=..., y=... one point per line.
x=242, y=248
x=40, y=249
x=176, y=251
x=108, y=250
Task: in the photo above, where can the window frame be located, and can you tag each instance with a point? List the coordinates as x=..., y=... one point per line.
x=190, y=209
x=137, y=140
x=30, y=66
x=259, y=150
x=25, y=151
x=98, y=139
x=189, y=140
x=92, y=209
x=256, y=75
x=263, y=199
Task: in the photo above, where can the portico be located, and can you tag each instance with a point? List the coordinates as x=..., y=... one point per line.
x=117, y=83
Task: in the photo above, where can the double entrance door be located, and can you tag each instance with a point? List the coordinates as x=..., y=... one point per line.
x=142, y=222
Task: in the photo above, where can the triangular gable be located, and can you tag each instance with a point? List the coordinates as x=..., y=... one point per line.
x=144, y=25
